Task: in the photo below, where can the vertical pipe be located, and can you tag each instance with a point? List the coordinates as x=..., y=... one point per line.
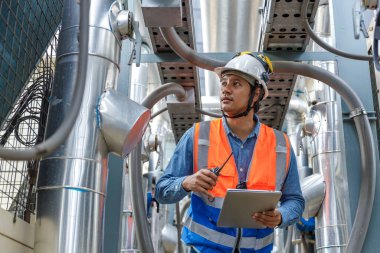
x=72, y=180
x=295, y=119
x=333, y=221
x=220, y=18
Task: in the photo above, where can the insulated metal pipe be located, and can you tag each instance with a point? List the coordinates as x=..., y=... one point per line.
x=219, y=18
x=138, y=90
x=135, y=173
x=333, y=221
x=367, y=145
x=72, y=180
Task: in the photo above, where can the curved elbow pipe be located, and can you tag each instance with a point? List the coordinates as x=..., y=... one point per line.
x=366, y=142
x=298, y=105
x=323, y=44
x=313, y=190
x=187, y=53
x=121, y=121
x=138, y=203
x=163, y=91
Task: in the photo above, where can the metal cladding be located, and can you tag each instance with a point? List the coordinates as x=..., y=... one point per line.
x=122, y=121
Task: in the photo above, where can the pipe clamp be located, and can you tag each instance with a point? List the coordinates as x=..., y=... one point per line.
x=357, y=112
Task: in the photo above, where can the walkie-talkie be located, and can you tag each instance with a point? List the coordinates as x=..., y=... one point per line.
x=217, y=170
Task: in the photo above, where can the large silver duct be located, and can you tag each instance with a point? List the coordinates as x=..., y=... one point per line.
x=333, y=222
x=229, y=26
x=72, y=180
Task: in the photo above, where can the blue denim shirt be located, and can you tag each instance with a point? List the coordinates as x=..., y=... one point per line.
x=169, y=187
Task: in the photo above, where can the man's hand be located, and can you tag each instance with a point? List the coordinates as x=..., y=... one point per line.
x=202, y=181
x=270, y=219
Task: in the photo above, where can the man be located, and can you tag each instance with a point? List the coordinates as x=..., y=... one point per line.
x=262, y=159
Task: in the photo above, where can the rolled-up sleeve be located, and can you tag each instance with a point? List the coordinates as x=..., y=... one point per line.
x=292, y=201
x=169, y=187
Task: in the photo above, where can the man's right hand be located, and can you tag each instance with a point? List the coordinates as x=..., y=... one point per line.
x=202, y=181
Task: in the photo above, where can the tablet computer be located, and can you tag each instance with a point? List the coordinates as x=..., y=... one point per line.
x=240, y=204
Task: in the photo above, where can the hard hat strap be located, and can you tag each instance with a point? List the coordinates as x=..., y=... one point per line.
x=249, y=107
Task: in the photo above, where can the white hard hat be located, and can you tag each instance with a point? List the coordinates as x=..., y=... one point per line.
x=250, y=67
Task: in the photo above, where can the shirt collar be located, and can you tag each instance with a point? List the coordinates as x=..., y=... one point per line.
x=255, y=131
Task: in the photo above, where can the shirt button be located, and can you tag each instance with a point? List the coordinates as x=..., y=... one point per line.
x=241, y=169
x=242, y=146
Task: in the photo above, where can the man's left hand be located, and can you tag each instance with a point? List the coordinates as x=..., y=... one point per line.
x=270, y=219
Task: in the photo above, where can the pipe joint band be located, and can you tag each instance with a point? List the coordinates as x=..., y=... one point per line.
x=357, y=112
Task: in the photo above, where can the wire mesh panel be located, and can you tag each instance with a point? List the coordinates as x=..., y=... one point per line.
x=26, y=28
x=28, y=44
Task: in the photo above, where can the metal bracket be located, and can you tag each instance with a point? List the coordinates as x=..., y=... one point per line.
x=124, y=27
x=357, y=112
x=136, y=49
x=359, y=25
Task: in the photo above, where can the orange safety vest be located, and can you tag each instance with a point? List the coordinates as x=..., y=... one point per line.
x=211, y=149
x=267, y=171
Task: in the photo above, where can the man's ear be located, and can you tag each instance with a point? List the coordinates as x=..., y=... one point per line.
x=258, y=92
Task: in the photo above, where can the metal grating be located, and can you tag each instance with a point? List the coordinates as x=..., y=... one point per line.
x=284, y=32
x=26, y=29
x=23, y=127
x=273, y=108
x=179, y=72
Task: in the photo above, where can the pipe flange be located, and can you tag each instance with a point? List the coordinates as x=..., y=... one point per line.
x=357, y=112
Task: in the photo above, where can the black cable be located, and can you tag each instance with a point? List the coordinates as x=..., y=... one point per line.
x=60, y=135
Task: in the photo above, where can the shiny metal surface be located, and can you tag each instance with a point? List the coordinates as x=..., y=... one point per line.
x=95, y=48
x=169, y=238
x=122, y=121
x=72, y=181
x=230, y=26
x=159, y=13
x=140, y=76
x=333, y=222
x=313, y=190
x=328, y=160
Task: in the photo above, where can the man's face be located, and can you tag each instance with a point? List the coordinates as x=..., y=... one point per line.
x=234, y=94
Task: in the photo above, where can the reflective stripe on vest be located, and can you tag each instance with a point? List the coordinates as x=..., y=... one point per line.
x=202, y=145
x=227, y=240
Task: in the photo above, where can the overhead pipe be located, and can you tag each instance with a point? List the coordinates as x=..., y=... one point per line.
x=367, y=146
x=323, y=44
x=185, y=52
x=142, y=227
